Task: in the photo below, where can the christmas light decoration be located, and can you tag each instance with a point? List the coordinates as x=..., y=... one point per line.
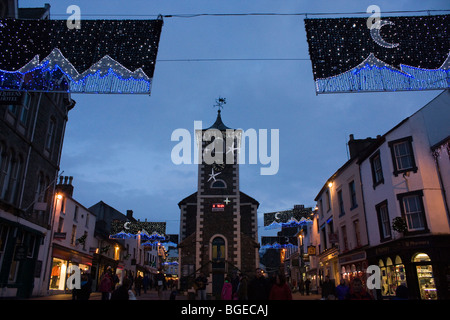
x=403, y=53
x=104, y=56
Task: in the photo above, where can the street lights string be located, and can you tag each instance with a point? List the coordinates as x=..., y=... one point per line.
x=305, y=14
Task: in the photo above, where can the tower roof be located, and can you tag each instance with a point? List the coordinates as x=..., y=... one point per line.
x=219, y=123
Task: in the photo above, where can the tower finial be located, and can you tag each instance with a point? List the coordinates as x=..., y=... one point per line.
x=220, y=102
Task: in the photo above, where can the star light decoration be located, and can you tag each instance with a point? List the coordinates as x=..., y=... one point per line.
x=104, y=56
x=346, y=57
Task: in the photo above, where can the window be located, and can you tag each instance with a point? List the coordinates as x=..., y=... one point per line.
x=352, y=190
x=25, y=109
x=50, y=134
x=357, y=233
x=218, y=249
x=5, y=174
x=74, y=234
x=60, y=224
x=15, y=180
x=75, y=214
x=377, y=170
x=383, y=220
x=344, y=237
x=87, y=220
x=13, y=109
x=341, y=203
x=218, y=184
x=328, y=200
x=411, y=206
x=402, y=156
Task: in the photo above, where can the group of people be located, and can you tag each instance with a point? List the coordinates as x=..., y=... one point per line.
x=111, y=289
x=240, y=287
x=356, y=291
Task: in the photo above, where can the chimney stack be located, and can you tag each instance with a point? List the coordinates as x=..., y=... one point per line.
x=130, y=214
x=66, y=187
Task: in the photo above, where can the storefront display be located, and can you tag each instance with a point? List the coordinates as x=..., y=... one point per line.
x=58, y=274
x=392, y=276
x=425, y=277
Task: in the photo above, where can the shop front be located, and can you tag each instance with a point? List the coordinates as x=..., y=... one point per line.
x=328, y=265
x=353, y=265
x=62, y=261
x=422, y=264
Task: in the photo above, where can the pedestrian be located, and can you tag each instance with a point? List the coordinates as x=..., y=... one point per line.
x=235, y=282
x=121, y=292
x=342, y=290
x=138, y=285
x=328, y=290
x=106, y=284
x=201, y=283
x=307, y=286
x=242, y=290
x=160, y=281
x=85, y=287
x=280, y=289
x=227, y=289
x=401, y=293
x=145, y=282
x=301, y=286
x=357, y=291
x=258, y=287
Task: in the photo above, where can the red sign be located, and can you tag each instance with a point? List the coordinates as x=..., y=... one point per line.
x=218, y=207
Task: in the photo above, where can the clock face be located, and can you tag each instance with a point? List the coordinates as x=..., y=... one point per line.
x=218, y=166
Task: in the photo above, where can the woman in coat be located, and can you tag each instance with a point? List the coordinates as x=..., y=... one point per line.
x=280, y=289
x=227, y=289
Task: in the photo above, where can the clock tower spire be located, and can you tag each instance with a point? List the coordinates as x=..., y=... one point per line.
x=218, y=224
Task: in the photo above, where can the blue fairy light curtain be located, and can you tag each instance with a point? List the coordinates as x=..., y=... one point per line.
x=394, y=54
x=103, y=56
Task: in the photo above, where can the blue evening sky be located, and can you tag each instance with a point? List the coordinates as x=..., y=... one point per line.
x=118, y=147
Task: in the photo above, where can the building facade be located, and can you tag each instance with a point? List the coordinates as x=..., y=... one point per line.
x=388, y=206
x=405, y=178
x=73, y=241
x=32, y=129
x=218, y=223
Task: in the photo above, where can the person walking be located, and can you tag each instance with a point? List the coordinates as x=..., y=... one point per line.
x=160, y=281
x=121, y=292
x=258, y=288
x=342, y=290
x=106, y=284
x=201, y=283
x=301, y=286
x=307, y=286
x=227, y=290
x=280, y=289
x=357, y=291
x=145, y=283
x=138, y=285
x=328, y=290
x=242, y=290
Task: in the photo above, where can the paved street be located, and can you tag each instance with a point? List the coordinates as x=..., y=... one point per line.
x=153, y=295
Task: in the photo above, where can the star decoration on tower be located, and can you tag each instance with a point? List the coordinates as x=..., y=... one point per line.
x=213, y=175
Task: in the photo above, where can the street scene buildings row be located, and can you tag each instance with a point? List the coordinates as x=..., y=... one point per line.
x=388, y=206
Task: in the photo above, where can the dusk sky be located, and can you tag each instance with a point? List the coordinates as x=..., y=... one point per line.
x=118, y=147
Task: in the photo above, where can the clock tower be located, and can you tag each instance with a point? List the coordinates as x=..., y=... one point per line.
x=218, y=223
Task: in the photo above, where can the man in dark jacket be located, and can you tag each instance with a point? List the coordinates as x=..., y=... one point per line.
x=258, y=288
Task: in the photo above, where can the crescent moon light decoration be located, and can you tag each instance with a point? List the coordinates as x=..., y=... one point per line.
x=375, y=34
x=125, y=225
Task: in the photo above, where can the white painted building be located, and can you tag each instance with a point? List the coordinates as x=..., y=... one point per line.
x=405, y=174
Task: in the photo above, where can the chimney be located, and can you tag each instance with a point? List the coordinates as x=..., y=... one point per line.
x=130, y=214
x=356, y=146
x=66, y=187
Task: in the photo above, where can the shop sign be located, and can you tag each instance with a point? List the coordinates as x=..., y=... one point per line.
x=312, y=250
x=10, y=97
x=59, y=235
x=333, y=238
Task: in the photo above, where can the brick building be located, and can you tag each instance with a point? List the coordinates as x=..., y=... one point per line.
x=218, y=222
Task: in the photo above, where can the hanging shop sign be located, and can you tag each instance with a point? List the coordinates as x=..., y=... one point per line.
x=311, y=250
x=102, y=56
x=394, y=54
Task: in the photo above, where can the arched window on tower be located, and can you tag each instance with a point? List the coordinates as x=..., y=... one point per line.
x=218, y=184
x=218, y=251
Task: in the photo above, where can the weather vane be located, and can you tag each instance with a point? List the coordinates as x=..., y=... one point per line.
x=220, y=102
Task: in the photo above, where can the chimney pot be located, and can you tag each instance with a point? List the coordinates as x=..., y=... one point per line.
x=70, y=180
x=65, y=179
x=352, y=137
